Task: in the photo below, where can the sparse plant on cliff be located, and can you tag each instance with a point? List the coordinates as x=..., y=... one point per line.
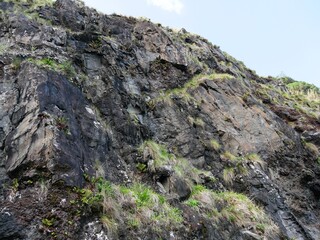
x=15, y=184
x=141, y=167
x=192, y=203
x=184, y=92
x=3, y=48
x=228, y=156
x=96, y=43
x=100, y=172
x=196, y=121
x=238, y=165
x=312, y=148
x=110, y=224
x=43, y=190
x=48, y=222
x=228, y=174
x=62, y=124
x=215, y=144
x=156, y=153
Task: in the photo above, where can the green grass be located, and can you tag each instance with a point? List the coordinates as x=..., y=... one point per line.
x=142, y=167
x=197, y=188
x=237, y=165
x=303, y=97
x=3, y=48
x=254, y=158
x=62, y=124
x=65, y=67
x=312, y=148
x=228, y=156
x=228, y=174
x=48, y=222
x=183, y=92
x=196, y=121
x=159, y=154
x=235, y=208
x=147, y=208
x=110, y=224
x=34, y=3
x=28, y=8
x=192, y=203
x=215, y=144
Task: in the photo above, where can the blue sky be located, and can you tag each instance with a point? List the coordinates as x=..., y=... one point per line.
x=272, y=37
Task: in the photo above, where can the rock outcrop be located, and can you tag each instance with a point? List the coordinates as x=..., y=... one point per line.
x=113, y=127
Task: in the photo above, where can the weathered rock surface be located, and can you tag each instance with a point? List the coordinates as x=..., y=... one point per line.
x=81, y=91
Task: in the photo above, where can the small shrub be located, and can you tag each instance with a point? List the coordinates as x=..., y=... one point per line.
x=62, y=124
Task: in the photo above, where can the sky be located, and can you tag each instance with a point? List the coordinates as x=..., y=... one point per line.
x=272, y=37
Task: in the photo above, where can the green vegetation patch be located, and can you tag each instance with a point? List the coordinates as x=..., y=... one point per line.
x=158, y=153
x=135, y=204
x=33, y=4
x=184, y=92
x=301, y=96
x=215, y=144
x=235, y=208
x=65, y=67
x=238, y=165
x=158, y=156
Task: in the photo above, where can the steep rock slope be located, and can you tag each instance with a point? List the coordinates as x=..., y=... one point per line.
x=118, y=128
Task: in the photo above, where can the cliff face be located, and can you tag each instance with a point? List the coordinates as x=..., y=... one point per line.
x=117, y=128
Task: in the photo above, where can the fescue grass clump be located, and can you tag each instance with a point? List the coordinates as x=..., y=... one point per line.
x=235, y=208
x=136, y=204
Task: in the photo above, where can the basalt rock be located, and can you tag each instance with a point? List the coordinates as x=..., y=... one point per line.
x=86, y=96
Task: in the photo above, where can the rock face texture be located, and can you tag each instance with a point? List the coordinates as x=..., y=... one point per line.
x=113, y=127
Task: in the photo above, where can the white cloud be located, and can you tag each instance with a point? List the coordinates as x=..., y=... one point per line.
x=168, y=5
